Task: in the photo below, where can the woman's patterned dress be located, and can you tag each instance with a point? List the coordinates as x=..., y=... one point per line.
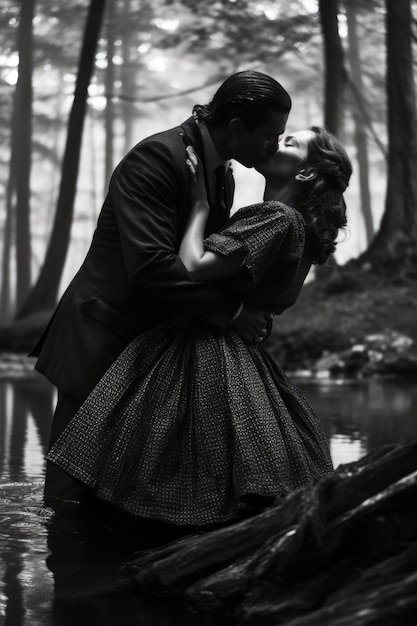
x=190, y=425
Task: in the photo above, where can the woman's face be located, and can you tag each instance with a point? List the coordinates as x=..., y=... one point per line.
x=288, y=159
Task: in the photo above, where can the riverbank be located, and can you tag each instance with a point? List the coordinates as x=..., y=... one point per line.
x=347, y=322
x=350, y=323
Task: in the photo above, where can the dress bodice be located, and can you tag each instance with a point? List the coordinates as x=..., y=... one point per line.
x=278, y=253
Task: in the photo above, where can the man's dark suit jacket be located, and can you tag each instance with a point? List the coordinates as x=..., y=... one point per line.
x=132, y=278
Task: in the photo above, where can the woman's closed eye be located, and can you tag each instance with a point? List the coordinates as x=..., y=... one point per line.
x=291, y=141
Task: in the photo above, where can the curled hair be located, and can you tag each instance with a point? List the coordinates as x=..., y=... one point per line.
x=321, y=200
x=248, y=95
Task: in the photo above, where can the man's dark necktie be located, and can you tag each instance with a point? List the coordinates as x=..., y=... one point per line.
x=220, y=172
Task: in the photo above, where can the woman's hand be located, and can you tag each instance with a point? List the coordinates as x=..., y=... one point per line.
x=198, y=192
x=204, y=265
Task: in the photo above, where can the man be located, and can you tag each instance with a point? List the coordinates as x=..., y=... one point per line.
x=132, y=278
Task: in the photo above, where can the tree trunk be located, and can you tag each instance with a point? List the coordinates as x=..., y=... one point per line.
x=23, y=148
x=360, y=131
x=9, y=229
x=128, y=107
x=45, y=292
x=334, y=69
x=4, y=409
x=57, y=137
x=109, y=112
x=93, y=166
x=394, y=246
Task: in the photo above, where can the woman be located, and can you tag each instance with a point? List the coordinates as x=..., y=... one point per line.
x=190, y=425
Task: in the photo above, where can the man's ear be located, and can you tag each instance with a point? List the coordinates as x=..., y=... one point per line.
x=236, y=125
x=307, y=174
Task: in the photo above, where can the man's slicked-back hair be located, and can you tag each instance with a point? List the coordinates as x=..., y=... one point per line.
x=249, y=95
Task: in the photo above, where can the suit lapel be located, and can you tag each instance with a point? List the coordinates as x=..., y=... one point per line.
x=218, y=215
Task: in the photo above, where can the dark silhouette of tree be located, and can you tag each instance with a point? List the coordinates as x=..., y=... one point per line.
x=23, y=148
x=43, y=295
x=334, y=66
x=128, y=61
x=6, y=298
x=109, y=84
x=17, y=224
x=394, y=246
x=360, y=127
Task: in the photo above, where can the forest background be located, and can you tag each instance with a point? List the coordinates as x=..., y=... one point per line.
x=82, y=82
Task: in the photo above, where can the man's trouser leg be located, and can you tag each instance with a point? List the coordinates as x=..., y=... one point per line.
x=58, y=484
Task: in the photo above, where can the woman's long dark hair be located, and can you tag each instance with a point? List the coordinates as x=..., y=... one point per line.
x=321, y=200
x=248, y=95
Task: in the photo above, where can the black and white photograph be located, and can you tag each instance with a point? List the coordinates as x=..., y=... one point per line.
x=208, y=313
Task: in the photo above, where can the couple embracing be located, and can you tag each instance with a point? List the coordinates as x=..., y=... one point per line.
x=168, y=406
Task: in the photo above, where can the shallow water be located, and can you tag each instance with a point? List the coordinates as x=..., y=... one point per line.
x=64, y=572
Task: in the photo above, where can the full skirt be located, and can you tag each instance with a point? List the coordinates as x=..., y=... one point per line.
x=190, y=425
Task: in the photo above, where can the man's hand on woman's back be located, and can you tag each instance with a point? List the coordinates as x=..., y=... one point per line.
x=253, y=324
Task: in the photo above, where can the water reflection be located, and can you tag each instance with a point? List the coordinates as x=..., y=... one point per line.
x=360, y=416
x=26, y=409
x=26, y=585
x=65, y=572
x=346, y=449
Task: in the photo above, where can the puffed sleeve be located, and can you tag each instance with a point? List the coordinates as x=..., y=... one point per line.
x=263, y=230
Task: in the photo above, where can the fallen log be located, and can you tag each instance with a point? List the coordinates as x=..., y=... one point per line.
x=392, y=604
x=296, y=555
x=293, y=559
x=359, y=481
x=265, y=604
x=363, y=562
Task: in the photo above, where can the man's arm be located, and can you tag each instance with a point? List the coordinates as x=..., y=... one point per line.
x=149, y=193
